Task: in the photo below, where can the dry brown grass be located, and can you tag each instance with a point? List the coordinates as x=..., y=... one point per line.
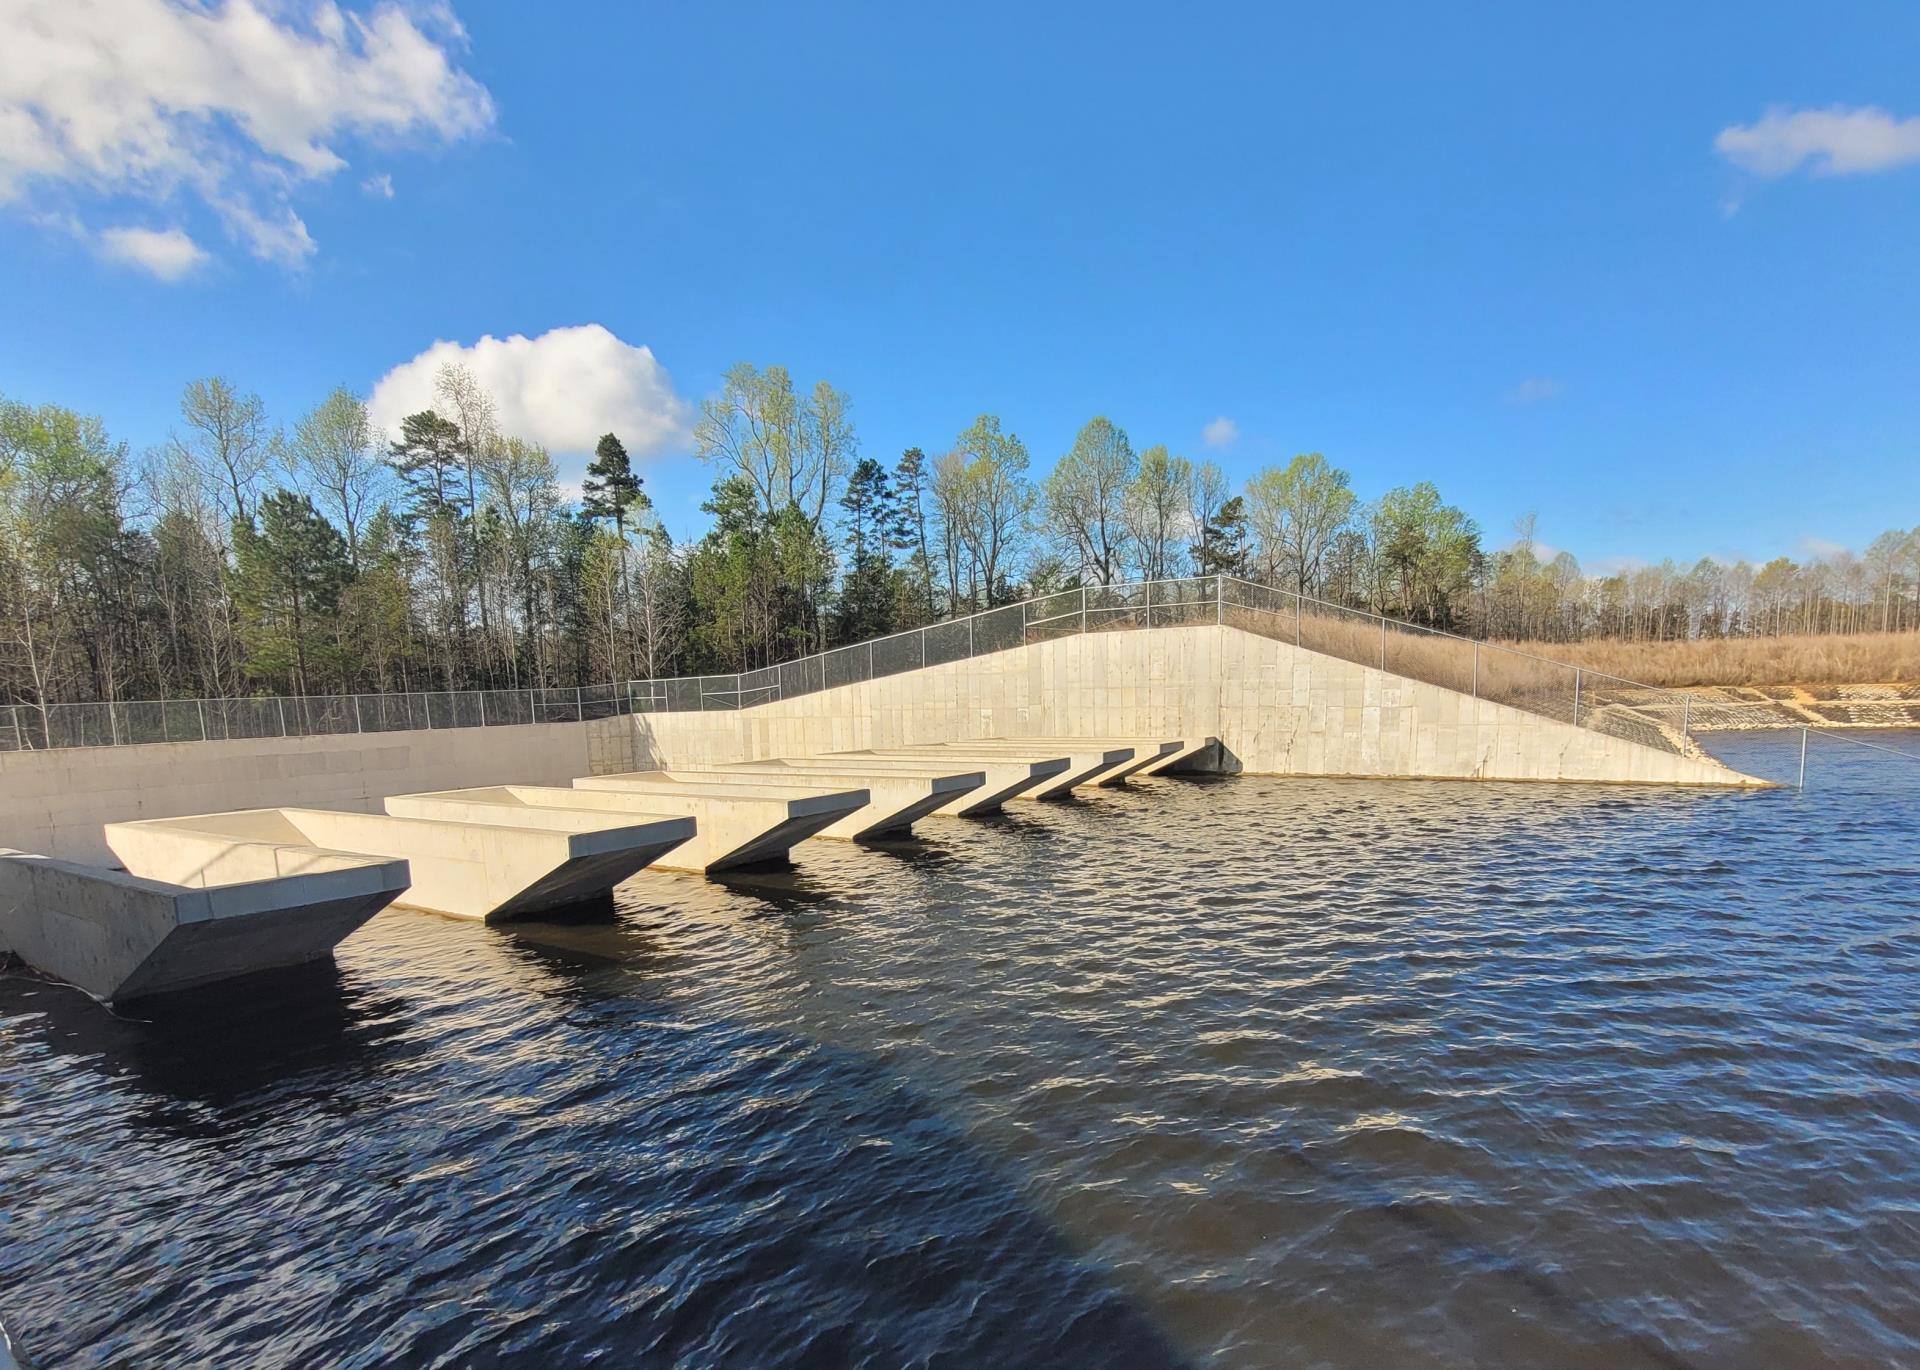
x=1840, y=659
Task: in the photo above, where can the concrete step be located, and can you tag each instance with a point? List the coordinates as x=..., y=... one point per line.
x=734, y=827
x=461, y=869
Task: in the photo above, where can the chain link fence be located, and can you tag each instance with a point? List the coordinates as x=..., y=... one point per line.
x=1638, y=713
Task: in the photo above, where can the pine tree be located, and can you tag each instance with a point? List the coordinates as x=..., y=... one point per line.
x=875, y=529
x=611, y=488
x=289, y=572
x=427, y=456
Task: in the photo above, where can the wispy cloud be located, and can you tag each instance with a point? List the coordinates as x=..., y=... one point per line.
x=380, y=187
x=1821, y=549
x=234, y=103
x=1836, y=141
x=1222, y=432
x=167, y=254
x=1534, y=390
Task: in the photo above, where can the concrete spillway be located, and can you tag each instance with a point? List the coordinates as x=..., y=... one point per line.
x=735, y=826
x=1142, y=752
x=250, y=906
x=464, y=870
x=1086, y=761
x=1004, y=777
x=897, y=799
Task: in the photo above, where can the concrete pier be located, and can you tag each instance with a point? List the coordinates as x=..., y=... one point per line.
x=897, y=799
x=735, y=827
x=463, y=870
x=1086, y=761
x=1201, y=755
x=248, y=907
x=1007, y=777
x=1146, y=752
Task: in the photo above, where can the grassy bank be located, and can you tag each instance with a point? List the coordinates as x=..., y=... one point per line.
x=1849, y=659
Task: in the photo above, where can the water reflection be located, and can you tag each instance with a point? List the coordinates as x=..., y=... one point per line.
x=204, y=1063
x=1262, y=1072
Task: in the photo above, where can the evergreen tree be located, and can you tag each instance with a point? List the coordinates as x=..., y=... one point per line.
x=289, y=572
x=611, y=488
x=1222, y=550
x=428, y=457
x=875, y=528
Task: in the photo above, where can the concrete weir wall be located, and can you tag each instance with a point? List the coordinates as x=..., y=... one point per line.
x=1276, y=709
x=55, y=802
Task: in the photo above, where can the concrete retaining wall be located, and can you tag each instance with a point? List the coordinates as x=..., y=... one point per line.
x=55, y=802
x=1276, y=709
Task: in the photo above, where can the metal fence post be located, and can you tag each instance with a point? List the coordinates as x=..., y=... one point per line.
x=869, y=660
x=530, y=717
x=357, y=726
x=1476, y=668
x=1220, y=599
x=283, y=714
x=1023, y=622
x=579, y=706
x=1383, y=644
x=1803, y=756
x=426, y=710
x=199, y=704
x=1686, y=717
x=1299, y=612
x=1576, y=696
x=923, y=649
x=970, y=617
x=1083, y=611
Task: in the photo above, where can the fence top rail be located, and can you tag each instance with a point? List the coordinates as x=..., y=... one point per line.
x=663, y=689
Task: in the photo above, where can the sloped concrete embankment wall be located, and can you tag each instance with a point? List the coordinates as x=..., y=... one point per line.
x=1276, y=708
x=55, y=802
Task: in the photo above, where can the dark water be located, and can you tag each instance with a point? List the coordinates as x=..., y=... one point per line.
x=1238, y=1072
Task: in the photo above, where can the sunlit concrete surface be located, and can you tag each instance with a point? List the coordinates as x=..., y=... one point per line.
x=463, y=870
x=1141, y=752
x=56, y=801
x=896, y=799
x=1006, y=777
x=1278, y=709
x=242, y=908
x=1203, y=755
x=1086, y=761
x=735, y=827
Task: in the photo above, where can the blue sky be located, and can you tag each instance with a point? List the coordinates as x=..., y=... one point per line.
x=1648, y=270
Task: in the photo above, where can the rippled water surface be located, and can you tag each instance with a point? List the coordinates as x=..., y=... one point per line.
x=1221, y=1072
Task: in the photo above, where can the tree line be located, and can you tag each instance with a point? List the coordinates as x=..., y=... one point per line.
x=244, y=557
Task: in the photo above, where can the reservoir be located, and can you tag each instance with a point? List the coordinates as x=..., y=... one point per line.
x=1216, y=1072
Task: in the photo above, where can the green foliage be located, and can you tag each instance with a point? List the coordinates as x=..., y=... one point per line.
x=611, y=489
x=289, y=572
x=430, y=455
x=456, y=564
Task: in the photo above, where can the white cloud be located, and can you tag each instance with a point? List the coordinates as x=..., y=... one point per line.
x=562, y=389
x=1535, y=390
x=237, y=103
x=1836, y=141
x=168, y=254
x=1820, y=549
x=380, y=187
x=1222, y=432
